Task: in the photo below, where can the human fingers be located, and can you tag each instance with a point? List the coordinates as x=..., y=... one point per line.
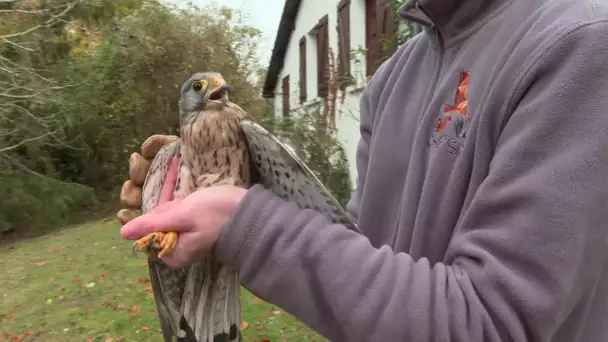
x=125, y=215
x=168, y=217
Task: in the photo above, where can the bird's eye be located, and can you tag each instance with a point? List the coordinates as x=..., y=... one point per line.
x=197, y=86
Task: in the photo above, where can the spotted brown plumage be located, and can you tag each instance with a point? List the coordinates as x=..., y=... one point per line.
x=219, y=144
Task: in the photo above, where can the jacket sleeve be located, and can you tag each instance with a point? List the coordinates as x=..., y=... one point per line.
x=529, y=252
x=365, y=129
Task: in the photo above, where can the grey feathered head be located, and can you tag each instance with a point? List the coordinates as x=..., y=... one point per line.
x=200, y=91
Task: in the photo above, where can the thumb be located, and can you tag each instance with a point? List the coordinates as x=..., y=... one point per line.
x=164, y=218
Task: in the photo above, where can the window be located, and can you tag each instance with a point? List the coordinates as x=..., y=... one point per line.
x=343, y=40
x=322, y=36
x=285, y=88
x=303, y=69
x=380, y=32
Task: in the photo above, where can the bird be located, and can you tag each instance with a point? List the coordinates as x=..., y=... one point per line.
x=219, y=143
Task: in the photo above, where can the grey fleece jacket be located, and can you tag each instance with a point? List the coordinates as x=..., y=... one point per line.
x=482, y=189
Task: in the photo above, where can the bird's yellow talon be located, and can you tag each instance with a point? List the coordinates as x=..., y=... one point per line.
x=157, y=245
x=168, y=244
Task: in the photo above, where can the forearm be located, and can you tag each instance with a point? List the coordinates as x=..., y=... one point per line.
x=335, y=281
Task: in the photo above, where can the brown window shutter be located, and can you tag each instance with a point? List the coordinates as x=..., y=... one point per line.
x=322, y=57
x=303, y=94
x=286, y=91
x=371, y=39
x=344, y=39
x=385, y=31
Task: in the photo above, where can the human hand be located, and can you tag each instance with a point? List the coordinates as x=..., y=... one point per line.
x=198, y=218
x=139, y=163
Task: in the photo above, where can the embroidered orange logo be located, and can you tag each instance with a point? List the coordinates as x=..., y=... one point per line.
x=460, y=105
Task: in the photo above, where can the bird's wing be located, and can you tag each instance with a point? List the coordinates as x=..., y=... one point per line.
x=167, y=283
x=280, y=170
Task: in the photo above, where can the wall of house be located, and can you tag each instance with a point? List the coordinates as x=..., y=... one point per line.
x=311, y=11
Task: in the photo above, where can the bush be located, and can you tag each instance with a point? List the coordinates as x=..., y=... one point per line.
x=39, y=202
x=319, y=149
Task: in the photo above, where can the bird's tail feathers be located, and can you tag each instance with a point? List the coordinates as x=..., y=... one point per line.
x=211, y=305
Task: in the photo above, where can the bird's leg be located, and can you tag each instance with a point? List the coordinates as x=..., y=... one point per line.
x=160, y=244
x=156, y=245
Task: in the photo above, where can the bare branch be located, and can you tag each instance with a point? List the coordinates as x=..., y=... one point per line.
x=6, y=149
x=24, y=11
x=79, y=27
x=48, y=22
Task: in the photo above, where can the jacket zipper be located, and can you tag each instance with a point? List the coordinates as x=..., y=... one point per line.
x=436, y=41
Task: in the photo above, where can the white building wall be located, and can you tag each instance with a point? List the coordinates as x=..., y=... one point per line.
x=348, y=114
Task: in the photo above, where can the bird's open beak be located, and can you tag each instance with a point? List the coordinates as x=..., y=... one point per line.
x=220, y=92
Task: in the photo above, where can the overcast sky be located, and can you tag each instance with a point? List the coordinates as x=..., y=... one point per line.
x=262, y=14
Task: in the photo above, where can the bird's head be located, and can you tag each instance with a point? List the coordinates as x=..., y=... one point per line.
x=201, y=91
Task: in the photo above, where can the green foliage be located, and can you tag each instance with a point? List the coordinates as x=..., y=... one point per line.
x=130, y=84
x=34, y=55
x=85, y=91
x=35, y=199
x=319, y=149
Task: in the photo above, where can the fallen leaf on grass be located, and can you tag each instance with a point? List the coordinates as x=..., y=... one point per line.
x=89, y=285
x=68, y=258
x=119, y=306
x=89, y=339
x=276, y=312
x=256, y=300
x=148, y=288
x=103, y=274
x=12, y=286
x=77, y=280
x=135, y=309
x=244, y=325
x=51, y=280
x=105, y=304
x=109, y=339
x=18, y=338
x=143, y=280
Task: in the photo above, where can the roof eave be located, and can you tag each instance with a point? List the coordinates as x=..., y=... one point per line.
x=277, y=59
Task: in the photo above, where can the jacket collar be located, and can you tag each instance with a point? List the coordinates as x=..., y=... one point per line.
x=449, y=17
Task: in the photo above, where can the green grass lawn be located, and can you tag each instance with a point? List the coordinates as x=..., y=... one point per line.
x=82, y=284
